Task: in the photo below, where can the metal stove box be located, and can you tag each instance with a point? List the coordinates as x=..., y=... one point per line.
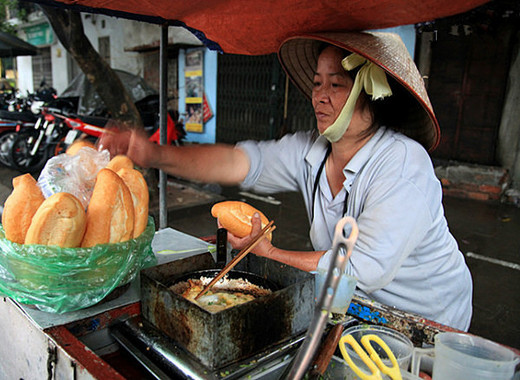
x=236, y=333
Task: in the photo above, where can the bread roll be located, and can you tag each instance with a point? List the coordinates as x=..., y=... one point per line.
x=60, y=220
x=119, y=162
x=236, y=217
x=20, y=207
x=140, y=197
x=110, y=213
x=77, y=145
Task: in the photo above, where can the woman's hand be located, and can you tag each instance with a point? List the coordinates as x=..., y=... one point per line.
x=304, y=260
x=261, y=249
x=132, y=143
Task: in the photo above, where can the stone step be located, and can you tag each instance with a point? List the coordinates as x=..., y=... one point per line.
x=477, y=182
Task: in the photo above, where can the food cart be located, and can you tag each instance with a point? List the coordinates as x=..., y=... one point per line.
x=112, y=340
x=88, y=343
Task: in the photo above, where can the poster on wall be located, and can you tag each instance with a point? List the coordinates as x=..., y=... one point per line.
x=194, y=91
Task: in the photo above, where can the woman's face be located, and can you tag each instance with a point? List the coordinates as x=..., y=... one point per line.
x=332, y=85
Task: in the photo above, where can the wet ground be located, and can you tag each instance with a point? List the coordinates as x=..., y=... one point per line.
x=488, y=234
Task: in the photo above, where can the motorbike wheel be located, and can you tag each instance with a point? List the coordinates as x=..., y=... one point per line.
x=6, y=141
x=19, y=154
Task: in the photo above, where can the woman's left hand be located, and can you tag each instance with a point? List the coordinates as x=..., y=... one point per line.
x=238, y=243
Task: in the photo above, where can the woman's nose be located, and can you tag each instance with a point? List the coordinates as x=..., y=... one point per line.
x=321, y=95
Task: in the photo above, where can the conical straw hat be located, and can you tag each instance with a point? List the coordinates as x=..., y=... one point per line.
x=410, y=106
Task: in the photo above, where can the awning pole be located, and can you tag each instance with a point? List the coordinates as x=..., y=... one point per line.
x=163, y=100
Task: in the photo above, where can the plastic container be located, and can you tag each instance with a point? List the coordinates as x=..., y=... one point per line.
x=399, y=344
x=344, y=291
x=459, y=356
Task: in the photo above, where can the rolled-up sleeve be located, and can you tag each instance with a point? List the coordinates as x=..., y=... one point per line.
x=275, y=165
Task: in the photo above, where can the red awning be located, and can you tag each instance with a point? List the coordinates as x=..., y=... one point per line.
x=259, y=27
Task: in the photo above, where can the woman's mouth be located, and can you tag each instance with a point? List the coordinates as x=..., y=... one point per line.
x=320, y=115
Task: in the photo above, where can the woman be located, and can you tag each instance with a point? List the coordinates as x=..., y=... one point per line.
x=370, y=161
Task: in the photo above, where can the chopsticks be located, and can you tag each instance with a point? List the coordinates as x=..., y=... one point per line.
x=248, y=248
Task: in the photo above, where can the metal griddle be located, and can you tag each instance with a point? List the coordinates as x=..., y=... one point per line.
x=222, y=342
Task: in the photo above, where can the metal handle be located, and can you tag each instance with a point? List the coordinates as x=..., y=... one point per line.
x=341, y=250
x=221, y=246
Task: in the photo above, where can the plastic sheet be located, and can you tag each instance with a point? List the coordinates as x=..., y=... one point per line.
x=60, y=280
x=90, y=103
x=73, y=174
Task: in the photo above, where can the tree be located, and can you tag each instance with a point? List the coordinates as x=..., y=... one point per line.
x=68, y=27
x=7, y=8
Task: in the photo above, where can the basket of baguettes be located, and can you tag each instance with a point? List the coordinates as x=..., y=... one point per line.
x=79, y=232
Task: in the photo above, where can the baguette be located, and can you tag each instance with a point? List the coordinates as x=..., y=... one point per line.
x=79, y=144
x=119, y=162
x=235, y=216
x=110, y=213
x=136, y=183
x=20, y=207
x=60, y=220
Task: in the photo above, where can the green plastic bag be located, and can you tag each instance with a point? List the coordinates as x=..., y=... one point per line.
x=60, y=280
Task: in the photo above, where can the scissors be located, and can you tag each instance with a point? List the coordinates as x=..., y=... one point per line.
x=374, y=362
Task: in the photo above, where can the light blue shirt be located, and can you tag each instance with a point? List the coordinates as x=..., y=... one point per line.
x=405, y=256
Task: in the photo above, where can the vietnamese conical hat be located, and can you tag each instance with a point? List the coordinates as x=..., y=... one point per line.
x=410, y=106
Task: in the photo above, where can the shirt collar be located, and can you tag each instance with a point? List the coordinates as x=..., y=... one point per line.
x=315, y=155
x=363, y=155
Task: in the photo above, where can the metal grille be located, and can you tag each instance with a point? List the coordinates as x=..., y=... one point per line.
x=300, y=114
x=42, y=67
x=251, y=99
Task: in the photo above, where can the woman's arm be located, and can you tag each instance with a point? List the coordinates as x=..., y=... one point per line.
x=304, y=260
x=207, y=163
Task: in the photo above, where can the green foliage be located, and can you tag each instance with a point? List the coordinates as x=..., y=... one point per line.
x=10, y=9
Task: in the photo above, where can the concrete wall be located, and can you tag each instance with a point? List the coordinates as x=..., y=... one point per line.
x=60, y=67
x=509, y=133
x=25, y=74
x=97, y=26
x=142, y=35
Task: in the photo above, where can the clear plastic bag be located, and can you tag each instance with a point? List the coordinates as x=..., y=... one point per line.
x=60, y=280
x=73, y=174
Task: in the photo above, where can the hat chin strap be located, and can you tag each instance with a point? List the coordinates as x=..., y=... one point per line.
x=372, y=79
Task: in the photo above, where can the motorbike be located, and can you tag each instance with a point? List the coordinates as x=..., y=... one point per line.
x=18, y=114
x=11, y=123
x=14, y=101
x=32, y=147
x=58, y=127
